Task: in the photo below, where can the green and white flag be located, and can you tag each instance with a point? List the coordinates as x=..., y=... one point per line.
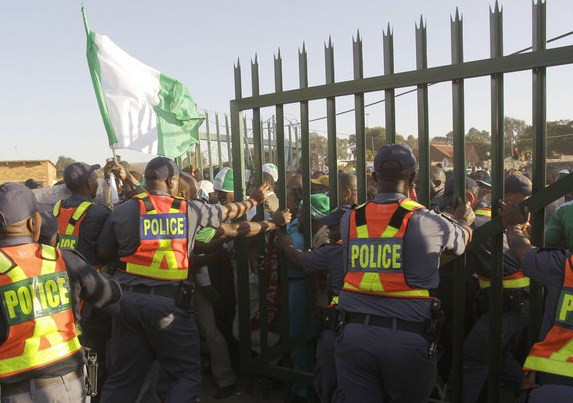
x=142, y=109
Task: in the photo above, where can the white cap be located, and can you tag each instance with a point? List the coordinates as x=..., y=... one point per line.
x=564, y=171
x=272, y=170
x=206, y=185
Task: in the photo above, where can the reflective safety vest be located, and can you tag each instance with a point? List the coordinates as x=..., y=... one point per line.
x=162, y=251
x=37, y=306
x=484, y=211
x=69, y=223
x=375, y=250
x=555, y=353
x=515, y=280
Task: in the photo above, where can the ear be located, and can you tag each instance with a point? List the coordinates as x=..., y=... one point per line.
x=470, y=197
x=34, y=224
x=170, y=183
x=374, y=176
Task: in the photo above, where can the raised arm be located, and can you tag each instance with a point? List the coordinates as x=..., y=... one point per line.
x=250, y=229
x=514, y=220
x=238, y=209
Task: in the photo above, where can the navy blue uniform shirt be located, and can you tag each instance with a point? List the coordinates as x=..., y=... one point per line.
x=428, y=235
x=120, y=233
x=90, y=227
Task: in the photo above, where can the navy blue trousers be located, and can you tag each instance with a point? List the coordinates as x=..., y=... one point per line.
x=151, y=328
x=376, y=364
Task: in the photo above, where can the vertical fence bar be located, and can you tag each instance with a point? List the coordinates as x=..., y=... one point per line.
x=274, y=140
x=290, y=153
x=228, y=134
x=218, y=131
x=359, y=121
x=305, y=145
x=200, y=157
x=331, y=127
x=497, y=172
x=296, y=143
x=270, y=142
x=258, y=170
x=459, y=191
x=240, y=245
x=280, y=133
x=209, y=153
x=423, y=123
x=389, y=98
x=248, y=156
x=539, y=124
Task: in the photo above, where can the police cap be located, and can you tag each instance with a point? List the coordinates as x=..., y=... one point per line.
x=400, y=153
x=161, y=168
x=78, y=174
x=518, y=183
x=17, y=203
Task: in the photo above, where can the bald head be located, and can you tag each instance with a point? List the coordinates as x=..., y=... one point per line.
x=347, y=189
x=437, y=179
x=188, y=188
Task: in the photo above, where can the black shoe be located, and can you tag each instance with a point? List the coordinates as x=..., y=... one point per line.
x=224, y=391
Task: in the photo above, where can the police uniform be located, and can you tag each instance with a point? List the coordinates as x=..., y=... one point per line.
x=552, y=357
x=515, y=318
x=80, y=221
x=152, y=235
x=41, y=358
x=392, y=247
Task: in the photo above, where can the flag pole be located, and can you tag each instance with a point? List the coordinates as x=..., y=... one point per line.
x=85, y=20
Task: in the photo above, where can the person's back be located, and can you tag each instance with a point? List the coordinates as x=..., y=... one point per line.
x=392, y=247
x=41, y=357
x=559, y=229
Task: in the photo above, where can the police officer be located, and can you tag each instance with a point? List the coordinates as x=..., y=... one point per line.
x=41, y=358
x=328, y=258
x=548, y=370
x=152, y=235
x=392, y=247
x=80, y=221
x=515, y=317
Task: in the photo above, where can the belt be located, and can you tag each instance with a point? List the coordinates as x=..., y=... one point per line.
x=545, y=378
x=168, y=291
x=383, y=321
x=9, y=389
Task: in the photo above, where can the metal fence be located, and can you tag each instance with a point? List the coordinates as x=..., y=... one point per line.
x=496, y=67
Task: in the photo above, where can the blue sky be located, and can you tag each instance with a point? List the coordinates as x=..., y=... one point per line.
x=49, y=108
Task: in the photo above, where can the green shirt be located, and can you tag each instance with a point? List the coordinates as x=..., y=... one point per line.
x=560, y=226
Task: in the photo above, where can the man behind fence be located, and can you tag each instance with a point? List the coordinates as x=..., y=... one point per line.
x=390, y=317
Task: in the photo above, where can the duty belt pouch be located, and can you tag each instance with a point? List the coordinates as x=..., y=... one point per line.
x=91, y=369
x=184, y=296
x=330, y=317
x=528, y=382
x=434, y=328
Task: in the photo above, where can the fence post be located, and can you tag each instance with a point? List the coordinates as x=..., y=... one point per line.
x=389, y=98
x=240, y=245
x=459, y=191
x=228, y=134
x=209, y=153
x=218, y=131
x=359, y=121
x=331, y=127
x=423, y=122
x=497, y=170
x=539, y=160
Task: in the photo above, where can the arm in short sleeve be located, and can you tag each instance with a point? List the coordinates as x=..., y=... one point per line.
x=205, y=215
x=545, y=266
x=96, y=289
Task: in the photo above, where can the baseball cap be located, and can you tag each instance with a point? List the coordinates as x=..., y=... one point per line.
x=321, y=180
x=335, y=216
x=224, y=181
x=449, y=189
x=205, y=188
x=516, y=183
x=319, y=205
x=32, y=184
x=272, y=170
x=161, y=168
x=78, y=173
x=401, y=153
x=17, y=203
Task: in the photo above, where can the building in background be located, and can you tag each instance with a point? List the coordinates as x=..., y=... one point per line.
x=42, y=171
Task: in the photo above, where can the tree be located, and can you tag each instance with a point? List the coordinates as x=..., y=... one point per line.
x=342, y=148
x=514, y=129
x=481, y=141
x=62, y=163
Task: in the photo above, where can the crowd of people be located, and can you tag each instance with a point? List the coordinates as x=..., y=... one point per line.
x=138, y=285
